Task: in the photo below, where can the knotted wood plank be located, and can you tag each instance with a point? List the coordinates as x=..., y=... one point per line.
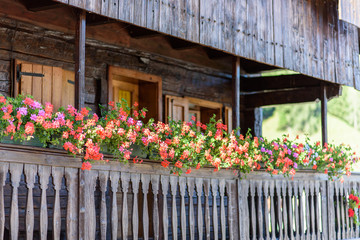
x=44, y=174
x=103, y=176
x=57, y=173
x=173, y=188
x=114, y=179
x=155, y=179
x=4, y=168
x=15, y=171
x=165, y=220
x=71, y=176
x=30, y=172
x=135, y=180
x=145, y=180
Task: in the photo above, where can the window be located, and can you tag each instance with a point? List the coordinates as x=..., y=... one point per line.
x=56, y=86
x=178, y=108
x=134, y=86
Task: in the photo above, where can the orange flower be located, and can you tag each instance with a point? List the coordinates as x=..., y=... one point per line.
x=178, y=164
x=86, y=166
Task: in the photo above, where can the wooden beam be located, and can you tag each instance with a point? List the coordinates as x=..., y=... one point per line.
x=139, y=32
x=95, y=20
x=41, y=5
x=236, y=93
x=80, y=37
x=179, y=44
x=299, y=95
x=215, y=54
x=324, y=128
x=278, y=83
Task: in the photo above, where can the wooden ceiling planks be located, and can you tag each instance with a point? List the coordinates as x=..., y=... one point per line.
x=301, y=35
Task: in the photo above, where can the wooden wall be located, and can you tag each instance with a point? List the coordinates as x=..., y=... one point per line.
x=302, y=35
x=49, y=47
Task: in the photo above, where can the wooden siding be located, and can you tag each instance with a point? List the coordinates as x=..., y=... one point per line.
x=304, y=36
x=349, y=11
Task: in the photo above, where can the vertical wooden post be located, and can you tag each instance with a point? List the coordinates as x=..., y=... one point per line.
x=324, y=114
x=236, y=93
x=80, y=37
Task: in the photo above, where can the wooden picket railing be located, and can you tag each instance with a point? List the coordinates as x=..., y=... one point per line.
x=45, y=195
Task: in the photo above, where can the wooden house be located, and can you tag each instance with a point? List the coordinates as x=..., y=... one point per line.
x=179, y=59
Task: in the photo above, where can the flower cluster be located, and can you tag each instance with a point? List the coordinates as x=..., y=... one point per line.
x=181, y=146
x=353, y=203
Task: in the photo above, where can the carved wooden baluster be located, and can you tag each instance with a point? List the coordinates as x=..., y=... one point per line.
x=312, y=208
x=164, y=188
x=135, y=180
x=199, y=190
x=15, y=171
x=253, y=212
x=214, y=190
x=260, y=209
x=57, y=173
x=342, y=210
x=307, y=210
x=295, y=185
x=324, y=209
x=245, y=210
x=103, y=176
x=346, y=216
x=125, y=179
x=272, y=209
x=44, y=174
x=190, y=185
x=290, y=211
x=338, y=199
x=87, y=216
x=331, y=190
x=231, y=207
x=222, y=208
x=182, y=184
x=266, y=207
x=207, y=208
x=278, y=195
x=71, y=176
x=114, y=179
x=145, y=180
x=30, y=172
x=317, y=207
x=302, y=210
x=155, y=189
x=173, y=186
x=284, y=210
x=4, y=167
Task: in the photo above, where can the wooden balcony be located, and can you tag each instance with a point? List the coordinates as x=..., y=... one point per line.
x=45, y=195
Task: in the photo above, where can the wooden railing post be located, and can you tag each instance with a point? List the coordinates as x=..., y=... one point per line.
x=324, y=114
x=80, y=37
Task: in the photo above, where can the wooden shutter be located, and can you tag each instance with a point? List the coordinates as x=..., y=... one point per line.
x=57, y=85
x=177, y=108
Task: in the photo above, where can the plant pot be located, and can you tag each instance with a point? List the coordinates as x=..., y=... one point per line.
x=137, y=151
x=35, y=142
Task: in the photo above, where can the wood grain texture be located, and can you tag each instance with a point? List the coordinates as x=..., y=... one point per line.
x=182, y=188
x=114, y=178
x=57, y=173
x=4, y=168
x=190, y=182
x=44, y=174
x=30, y=172
x=145, y=180
x=173, y=189
x=103, y=177
x=135, y=180
x=125, y=179
x=199, y=193
x=71, y=176
x=207, y=208
x=155, y=179
x=164, y=187
x=15, y=171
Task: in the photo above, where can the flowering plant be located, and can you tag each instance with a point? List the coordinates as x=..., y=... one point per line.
x=353, y=203
x=179, y=145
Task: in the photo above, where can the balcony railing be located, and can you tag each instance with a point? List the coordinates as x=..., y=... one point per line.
x=45, y=195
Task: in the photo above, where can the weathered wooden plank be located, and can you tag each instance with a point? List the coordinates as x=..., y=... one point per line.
x=153, y=14
x=80, y=38
x=190, y=186
x=296, y=208
x=155, y=179
x=57, y=173
x=37, y=83
x=15, y=171
x=222, y=208
x=307, y=209
x=182, y=187
x=260, y=208
x=278, y=34
x=338, y=200
x=284, y=187
x=71, y=175
x=4, y=168
x=103, y=177
x=113, y=10
x=324, y=207
x=355, y=56
x=269, y=33
x=302, y=199
x=253, y=212
x=290, y=210
x=173, y=188
x=165, y=221
x=272, y=209
x=342, y=216
x=266, y=209
x=317, y=209
x=312, y=210
x=193, y=21
x=114, y=179
x=240, y=23
x=207, y=208
x=232, y=209
x=125, y=179
x=331, y=210
x=135, y=180
x=199, y=191
x=145, y=180
x=44, y=174
x=346, y=195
